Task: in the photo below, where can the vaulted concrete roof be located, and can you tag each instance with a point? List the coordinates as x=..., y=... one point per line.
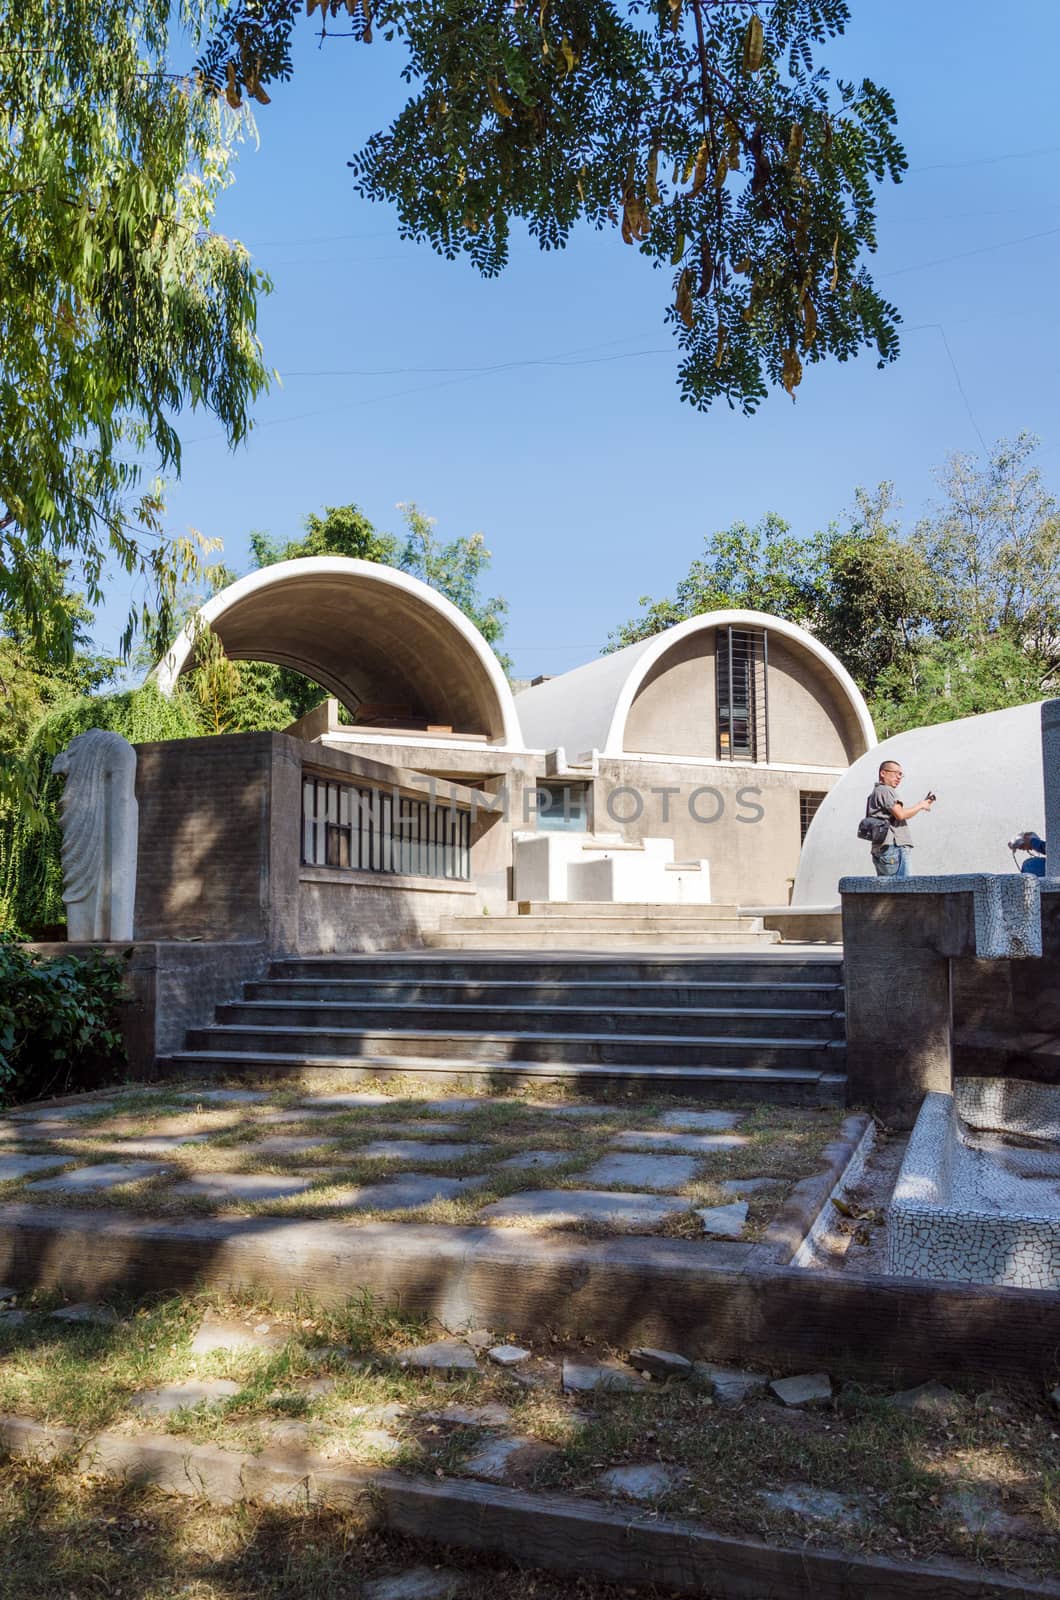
x=366, y=633
x=586, y=709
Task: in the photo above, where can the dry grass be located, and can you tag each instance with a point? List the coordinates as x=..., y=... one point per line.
x=901, y=1467
x=67, y=1537
x=784, y=1143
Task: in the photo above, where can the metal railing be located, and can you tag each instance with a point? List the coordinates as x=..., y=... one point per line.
x=742, y=678
x=378, y=830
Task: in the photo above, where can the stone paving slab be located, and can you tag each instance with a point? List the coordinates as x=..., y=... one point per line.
x=174, y=1396
x=223, y=1333
x=56, y=1114
x=105, y=1175
x=86, y=1311
x=418, y=1150
x=226, y=1097
x=282, y=1144
x=402, y=1194
x=645, y=1482
x=816, y=1505
x=444, y=1355
x=739, y=1186
x=724, y=1222
x=417, y=1583
x=540, y=1159
x=663, y=1174
x=702, y=1121
x=567, y=1207
x=499, y=1460
x=152, y=1144
x=699, y=1143
x=240, y=1186
x=586, y=1377
x=22, y=1166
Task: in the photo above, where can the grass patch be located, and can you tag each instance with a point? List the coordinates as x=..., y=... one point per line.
x=337, y=1381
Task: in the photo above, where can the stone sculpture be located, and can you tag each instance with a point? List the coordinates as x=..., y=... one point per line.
x=100, y=822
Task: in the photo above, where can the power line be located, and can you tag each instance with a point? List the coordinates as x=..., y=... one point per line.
x=944, y=261
x=988, y=161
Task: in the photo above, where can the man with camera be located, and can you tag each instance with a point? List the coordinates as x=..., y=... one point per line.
x=891, y=856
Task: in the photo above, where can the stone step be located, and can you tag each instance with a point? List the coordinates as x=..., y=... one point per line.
x=492, y=934
x=578, y=991
x=619, y=1020
x=606, y=1049
x=593, y=922
x=759, y=966
x=775, y=1085
x=618, y=910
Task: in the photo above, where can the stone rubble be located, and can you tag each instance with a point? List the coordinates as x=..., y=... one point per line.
x=730, y=1386
x=508, y=1355
x=660, y=1363
x=724, y=1222
x=807, y=1389
x=583, y=1378
x=444, y=1355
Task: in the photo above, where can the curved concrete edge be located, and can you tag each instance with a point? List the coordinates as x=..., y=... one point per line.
x=586, y=708
x=663, y=642
x=623, y=1544
x=807, y=1204
x=169, y=669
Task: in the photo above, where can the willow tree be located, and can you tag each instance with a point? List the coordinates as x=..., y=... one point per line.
x=705, y=132
x=119, y=306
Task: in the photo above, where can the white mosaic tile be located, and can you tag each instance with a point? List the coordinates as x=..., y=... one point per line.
x=978, y=1194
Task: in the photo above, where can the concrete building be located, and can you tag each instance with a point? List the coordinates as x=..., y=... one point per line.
x=686, y=767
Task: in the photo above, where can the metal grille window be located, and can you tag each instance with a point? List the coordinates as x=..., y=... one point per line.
x=741, y=674
x=373, y=830
x=809, y=805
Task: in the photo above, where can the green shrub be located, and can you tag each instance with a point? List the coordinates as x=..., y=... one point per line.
x=31, y=880
x=59, y=1029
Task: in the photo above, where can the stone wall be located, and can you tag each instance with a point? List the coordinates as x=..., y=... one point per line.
x=220, y=851
x=171, y=987
x=1004, y=1010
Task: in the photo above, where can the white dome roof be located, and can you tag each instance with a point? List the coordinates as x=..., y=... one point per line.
x=987, y=773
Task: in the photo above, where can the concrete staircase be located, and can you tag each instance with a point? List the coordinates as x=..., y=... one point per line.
x=602, y=925
x=740, y=1026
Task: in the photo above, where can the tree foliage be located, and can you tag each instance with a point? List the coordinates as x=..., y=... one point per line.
x=118, y=305
x=960, y=617
x=705, y=132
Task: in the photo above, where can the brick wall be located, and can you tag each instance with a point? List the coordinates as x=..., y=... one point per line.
x=202, y=867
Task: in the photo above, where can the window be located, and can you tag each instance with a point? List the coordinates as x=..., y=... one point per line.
x=741, y=666
x=562, y=807
x=375, y=830
x=809, y=805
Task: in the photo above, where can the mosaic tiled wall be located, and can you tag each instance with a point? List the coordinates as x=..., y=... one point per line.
x=978, y=1195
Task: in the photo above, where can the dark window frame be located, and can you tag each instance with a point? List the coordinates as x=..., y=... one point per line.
x=357, y=828
x=741, y=682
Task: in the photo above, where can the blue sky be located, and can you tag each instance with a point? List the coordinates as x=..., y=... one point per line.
x=592, y=482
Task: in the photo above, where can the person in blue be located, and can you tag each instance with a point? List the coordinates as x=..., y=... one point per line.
x=891, y=857
x=1035, y=862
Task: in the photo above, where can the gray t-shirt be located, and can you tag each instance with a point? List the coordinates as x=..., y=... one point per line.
x=881, y=803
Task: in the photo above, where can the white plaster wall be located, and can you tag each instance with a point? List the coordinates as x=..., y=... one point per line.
x=987, y=773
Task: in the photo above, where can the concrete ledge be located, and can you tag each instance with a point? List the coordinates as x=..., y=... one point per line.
x=712, y=1301
x=559, y=1534
x=800, y=924
x=355, y=877
x=1006, y=907
x=795, y=1220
